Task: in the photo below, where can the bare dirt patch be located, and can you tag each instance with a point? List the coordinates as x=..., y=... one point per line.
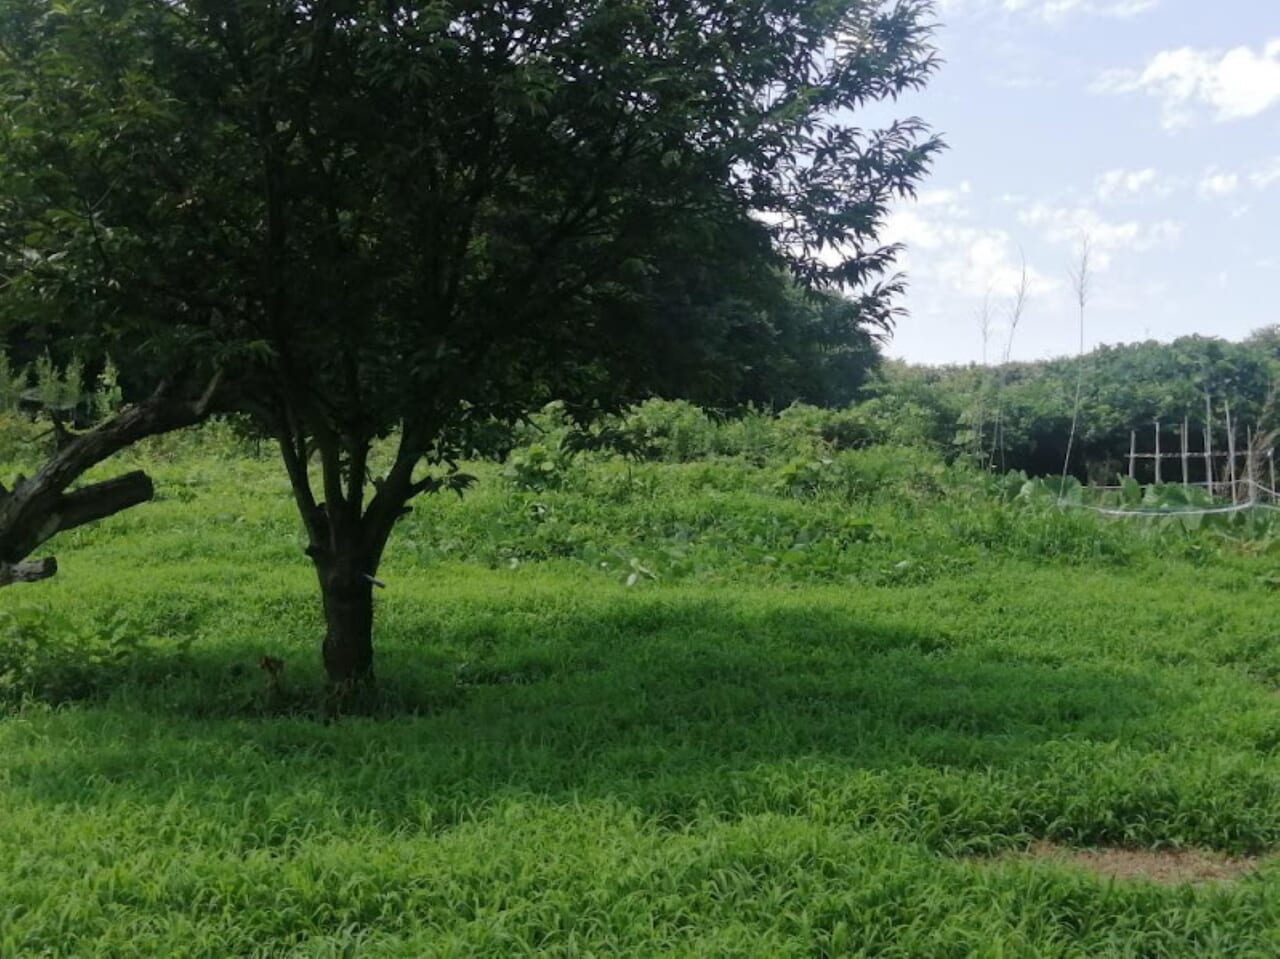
x=1166, y=866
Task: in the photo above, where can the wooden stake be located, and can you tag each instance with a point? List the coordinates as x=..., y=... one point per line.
x=1249, y=474
x=1186, y=450
x=1159, y=478
x=1231, y=453
x=1208, y=442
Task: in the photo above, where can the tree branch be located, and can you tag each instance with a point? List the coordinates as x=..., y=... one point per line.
x=39, y=508
x=27, y=572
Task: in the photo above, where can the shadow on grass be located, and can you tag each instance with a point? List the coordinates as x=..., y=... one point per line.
x=676, y=708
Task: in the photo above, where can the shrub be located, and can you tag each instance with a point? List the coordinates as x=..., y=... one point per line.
x=46, y=656
x=680, y=431
x=895, y=472
x=878, y=472
x=806, y=477
x=536, y=468
x=13, y=383
x=107, y=396
x=23, y=444
x=754, y=435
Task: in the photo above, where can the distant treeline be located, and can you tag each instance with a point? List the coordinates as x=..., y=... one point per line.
x=1018, y=416
x=810, y=361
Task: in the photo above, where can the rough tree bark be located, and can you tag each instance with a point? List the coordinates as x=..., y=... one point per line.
x=348, y=612
x=346, y=537
x=39, y=508
x=346, y=547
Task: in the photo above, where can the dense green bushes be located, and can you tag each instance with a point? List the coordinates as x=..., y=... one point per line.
x=46, y=655
x=757, y=499
x=676, y=431
x=1015, y=417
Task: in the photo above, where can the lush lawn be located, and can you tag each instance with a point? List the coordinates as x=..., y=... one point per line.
x=826, y=727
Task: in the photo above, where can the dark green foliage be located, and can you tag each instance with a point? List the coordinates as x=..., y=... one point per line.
x=376, y=218
x=1125, y=387
x=730, y=334
x=378, y=212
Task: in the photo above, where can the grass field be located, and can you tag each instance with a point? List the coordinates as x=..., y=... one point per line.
x=811, y=725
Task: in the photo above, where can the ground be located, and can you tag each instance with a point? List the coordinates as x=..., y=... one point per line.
x=939, y=740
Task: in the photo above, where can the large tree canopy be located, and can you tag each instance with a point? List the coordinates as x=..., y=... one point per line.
x=410, y=217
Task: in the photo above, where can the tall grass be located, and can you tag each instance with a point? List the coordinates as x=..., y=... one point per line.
x=790, y=705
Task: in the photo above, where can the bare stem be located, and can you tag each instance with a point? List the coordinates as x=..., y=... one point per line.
x=1080, y=278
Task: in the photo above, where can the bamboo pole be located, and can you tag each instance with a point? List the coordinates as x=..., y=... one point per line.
x=1133, y=455
x=1271, y=464
x=1231, y=453
x=1186, y=450
x=1159, y=478
x=1249, y=472
x=1208, y=442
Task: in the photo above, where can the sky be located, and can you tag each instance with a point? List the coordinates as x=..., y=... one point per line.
x=1150, y=126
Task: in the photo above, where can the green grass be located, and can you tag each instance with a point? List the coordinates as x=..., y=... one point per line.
x=811, y=727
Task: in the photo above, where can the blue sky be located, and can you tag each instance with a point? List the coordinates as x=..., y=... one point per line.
x=1152, y=126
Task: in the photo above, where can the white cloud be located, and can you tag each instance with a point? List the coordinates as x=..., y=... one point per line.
x=1058, y=9
x=985, y=261
x=945, y=248
x=948, y=199
x=1052, y=10
x=1216, y=184
x=1070, y=225
x=1266, y=176
x=1122, y=185
x=1134, y=185
x=1234, y=85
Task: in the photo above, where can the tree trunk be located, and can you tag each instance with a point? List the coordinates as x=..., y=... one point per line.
x=347, y=593
x=345, y=539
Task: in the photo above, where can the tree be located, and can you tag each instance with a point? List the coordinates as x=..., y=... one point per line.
x=736, y=330
x=412, y=218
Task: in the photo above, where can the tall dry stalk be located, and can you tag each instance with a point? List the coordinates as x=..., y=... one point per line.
x=1080, y=278
x=980, y=412
x=1016, y=310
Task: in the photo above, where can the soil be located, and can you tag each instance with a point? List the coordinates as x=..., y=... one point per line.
x=1165, y=866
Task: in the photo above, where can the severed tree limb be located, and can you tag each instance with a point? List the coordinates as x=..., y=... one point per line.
x=39, y=508
x=30, y=572
x=84, y=505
